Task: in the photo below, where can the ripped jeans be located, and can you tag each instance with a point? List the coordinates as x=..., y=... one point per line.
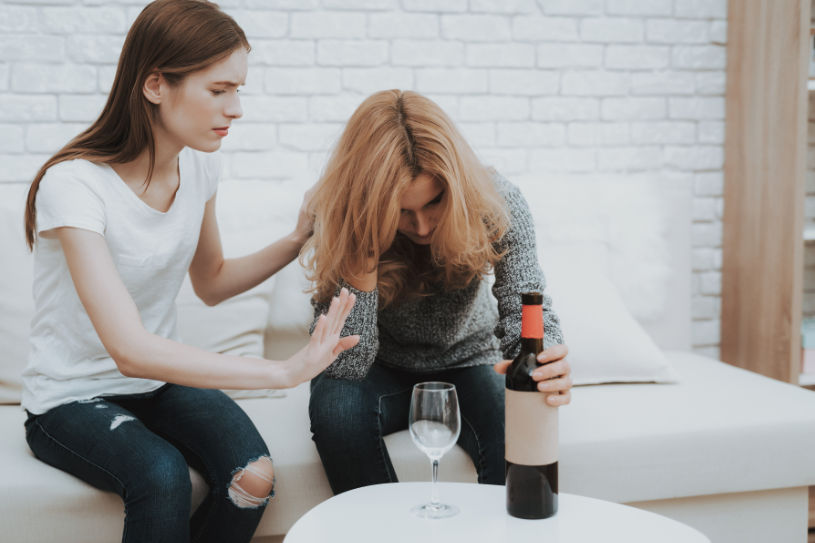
x=139, y=446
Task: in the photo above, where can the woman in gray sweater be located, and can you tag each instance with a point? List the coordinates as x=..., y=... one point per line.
x=410, y=221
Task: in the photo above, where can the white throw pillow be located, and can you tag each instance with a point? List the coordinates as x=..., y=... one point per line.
x=606, y=344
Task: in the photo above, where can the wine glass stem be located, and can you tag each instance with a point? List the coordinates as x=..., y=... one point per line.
x=434, y=495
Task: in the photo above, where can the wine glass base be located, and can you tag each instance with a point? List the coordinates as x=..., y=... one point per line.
x=435, y=510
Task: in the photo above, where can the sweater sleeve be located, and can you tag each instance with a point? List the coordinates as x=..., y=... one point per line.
x=517, y=272
x=355, y=362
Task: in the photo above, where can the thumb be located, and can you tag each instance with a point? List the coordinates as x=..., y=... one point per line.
x=344, y=344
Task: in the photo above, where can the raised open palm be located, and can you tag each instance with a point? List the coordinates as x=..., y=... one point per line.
x=325, y=344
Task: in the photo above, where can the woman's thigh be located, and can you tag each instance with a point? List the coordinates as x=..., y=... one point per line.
x=107, y=446
x=213, y=432
x=377, y=404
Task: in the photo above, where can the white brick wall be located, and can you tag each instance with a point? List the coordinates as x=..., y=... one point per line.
x=579, y=86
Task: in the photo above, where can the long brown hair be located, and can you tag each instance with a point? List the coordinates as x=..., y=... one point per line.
x=171, y=37
x=391, y=138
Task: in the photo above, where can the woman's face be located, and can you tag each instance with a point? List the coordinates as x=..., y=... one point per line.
x=199, y=111
x=421, y=209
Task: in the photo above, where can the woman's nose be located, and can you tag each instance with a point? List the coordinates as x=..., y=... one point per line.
x=423, y=226
x=233, y=109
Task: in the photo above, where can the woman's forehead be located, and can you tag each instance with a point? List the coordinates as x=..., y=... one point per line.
x=423, y=189
x=230, y=70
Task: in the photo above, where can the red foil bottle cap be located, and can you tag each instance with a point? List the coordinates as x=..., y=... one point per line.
x=532, y=316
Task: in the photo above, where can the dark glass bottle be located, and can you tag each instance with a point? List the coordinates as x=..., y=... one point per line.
x=531, y=425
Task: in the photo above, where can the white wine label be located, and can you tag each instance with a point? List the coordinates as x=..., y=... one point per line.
x=531, y=429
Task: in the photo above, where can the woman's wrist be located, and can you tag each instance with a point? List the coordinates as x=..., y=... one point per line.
x=298, y=238
x=279, y=375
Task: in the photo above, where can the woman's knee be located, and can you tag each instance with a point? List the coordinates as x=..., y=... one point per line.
x=253, y=484
x=166, y=475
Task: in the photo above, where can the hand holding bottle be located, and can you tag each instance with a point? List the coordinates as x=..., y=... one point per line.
x=554, y=377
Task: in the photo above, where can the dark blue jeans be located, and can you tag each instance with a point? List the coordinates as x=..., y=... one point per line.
x=350, y=418
x=139, y=446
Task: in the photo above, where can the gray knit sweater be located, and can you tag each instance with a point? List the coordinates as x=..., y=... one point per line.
x=458, y=328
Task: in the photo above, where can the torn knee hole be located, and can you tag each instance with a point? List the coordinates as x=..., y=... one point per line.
x=253, y=485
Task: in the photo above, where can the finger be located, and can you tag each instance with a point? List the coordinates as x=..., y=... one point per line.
x=562, y=384
x=344, y=344
x=345, y=311
x=502, y=366
x=336, y=316
x=346, y=303
x=319, y=329
x=349, y=305
x=331, y=315
x=555, y=352
x=552, y=370
x=557, y=400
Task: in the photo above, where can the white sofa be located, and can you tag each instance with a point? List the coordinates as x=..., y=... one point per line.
x=724, y=450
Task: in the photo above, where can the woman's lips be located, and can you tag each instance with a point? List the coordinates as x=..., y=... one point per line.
x=222, y=131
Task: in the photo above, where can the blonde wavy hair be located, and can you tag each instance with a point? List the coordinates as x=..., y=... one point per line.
x=391, y=138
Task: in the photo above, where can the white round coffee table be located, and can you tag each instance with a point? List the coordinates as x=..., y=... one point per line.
x=382, y=513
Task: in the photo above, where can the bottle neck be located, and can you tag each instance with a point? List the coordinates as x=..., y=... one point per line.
x=531, y=344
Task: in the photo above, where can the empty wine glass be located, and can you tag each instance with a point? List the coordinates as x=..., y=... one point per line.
x=434, y=427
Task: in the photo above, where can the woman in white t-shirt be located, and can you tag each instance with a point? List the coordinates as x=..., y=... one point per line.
x=117, y=218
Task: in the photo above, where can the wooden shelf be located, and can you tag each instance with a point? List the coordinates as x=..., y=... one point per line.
x=765, y=178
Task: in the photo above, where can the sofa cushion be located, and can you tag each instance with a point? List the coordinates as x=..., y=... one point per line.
x=721, y=429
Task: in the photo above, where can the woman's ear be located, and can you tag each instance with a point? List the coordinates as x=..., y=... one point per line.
x=153, y=86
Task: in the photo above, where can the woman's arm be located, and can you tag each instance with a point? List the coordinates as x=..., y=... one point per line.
x=139, y=353
x=216, y=279
x=517, y=272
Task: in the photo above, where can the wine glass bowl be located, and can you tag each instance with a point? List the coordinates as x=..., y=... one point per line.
x=435, y=424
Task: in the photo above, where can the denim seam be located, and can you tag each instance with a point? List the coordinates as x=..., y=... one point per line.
x=478, y=446
x=76, y=454
x=380, y=442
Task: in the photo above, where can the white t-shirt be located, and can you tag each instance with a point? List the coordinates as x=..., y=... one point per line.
x=151, y=250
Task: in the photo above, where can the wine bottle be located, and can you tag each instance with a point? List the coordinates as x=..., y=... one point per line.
x=531, y=425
